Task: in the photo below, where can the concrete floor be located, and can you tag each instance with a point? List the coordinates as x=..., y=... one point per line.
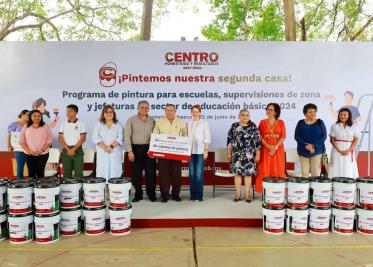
x=194, y=247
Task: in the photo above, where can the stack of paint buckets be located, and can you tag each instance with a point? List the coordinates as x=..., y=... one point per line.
x=3, y=214
x=317, y=205
x=119, y=208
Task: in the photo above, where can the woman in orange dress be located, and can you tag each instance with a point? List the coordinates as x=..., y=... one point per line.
x=272, y=154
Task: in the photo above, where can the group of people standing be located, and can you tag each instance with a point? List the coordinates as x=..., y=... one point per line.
x=252, y=150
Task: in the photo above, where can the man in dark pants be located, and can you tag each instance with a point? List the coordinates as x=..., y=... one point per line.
x=170, y=170
x=137, y=138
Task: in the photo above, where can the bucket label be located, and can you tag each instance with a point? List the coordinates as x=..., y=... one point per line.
x=297, y=224
x=344, y=197
x=298, y=197
x=70, y=195
x=20, y=201
x=273, y=224
x=46, y=203
x=119, y=198
x=20, y=231
x=120, y=224
x=365, y=223
x=70, y=225
x=94, y=195
x=343, y=223
x=274, y=197
x=319, y=223
x=320, y=196
x=46, y=232
x=365, y=196
x=95, y=224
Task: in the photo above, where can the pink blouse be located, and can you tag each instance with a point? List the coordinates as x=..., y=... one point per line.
x=36, y=138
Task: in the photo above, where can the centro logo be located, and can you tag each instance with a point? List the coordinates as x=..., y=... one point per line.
x=108, y=74
x=188, y=58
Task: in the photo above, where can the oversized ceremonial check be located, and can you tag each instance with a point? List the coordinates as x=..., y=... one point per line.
x=170, y=147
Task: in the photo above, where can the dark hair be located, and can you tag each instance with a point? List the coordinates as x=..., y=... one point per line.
x=102, y=118
x=38, y=102
x=23, y=112
x=349, y=120
x=197, y=107
x=142, y=102
x=29, y=123
x=349, y=93
x=73, y=107
x=170, y=105
x=309, y=106
x=277, y=109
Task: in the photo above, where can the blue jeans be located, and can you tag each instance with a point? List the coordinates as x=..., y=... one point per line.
x=196, y=166
x=20, y=159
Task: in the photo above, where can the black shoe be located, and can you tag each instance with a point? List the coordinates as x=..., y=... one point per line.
x=177, y=199
x=136, y=199
x=164, y=200
x=153, y=199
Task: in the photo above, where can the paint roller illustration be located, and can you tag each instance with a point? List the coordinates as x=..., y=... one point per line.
x=108, y=74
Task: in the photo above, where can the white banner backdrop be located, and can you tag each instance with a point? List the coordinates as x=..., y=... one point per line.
x=223, y=77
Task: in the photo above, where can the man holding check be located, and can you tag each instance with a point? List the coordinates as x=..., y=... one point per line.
x=170, y=170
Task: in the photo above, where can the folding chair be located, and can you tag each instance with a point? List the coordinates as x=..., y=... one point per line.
x=89, y=158
x=292, y=157
x=220, y=158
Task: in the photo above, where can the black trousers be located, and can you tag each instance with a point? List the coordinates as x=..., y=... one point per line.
x=143, y=162
x=36, y=165
x=170, y=174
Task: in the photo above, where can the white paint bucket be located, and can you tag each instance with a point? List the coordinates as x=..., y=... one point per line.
x=47, y=229
x=46, y=197
x=119, y=192
x=94, y=220
x=297, y=221
x=70, y=193
x=273, y=221
x=3, y=197
x=20, y=197
x=21, y=228
x=71, y=221
x=319, y=220
x=273, y=192
x=344, y=192
x=120, y=220
x=364, y=219
x=365, y=192
x=3, y=226
x=94, y=192
x=297, y=192
x=343, y=220
x=320, y=192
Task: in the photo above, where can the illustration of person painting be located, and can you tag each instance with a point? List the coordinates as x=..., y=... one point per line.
x=40, y=104
x=348, y=103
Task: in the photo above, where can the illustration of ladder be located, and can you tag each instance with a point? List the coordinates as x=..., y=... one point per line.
x=367, y=129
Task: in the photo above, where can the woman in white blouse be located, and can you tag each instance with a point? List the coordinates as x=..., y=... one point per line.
x=108, y=137
x=199, y=131
x=344, y=136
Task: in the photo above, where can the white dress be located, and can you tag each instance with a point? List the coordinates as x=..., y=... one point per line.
x=108, y=165
x=343, y=166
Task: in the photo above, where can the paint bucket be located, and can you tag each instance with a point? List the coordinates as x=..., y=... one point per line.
x=94, y=192
x=71, y=221
x=273, y=220
x=364, y=219
x=20, y=228
x=94, y=220
x=70, y=193
x=320, y=192
x=20, y=197
x=365, y=192
x=297, y=221
x=3, y=225
x=319, y=222
x=3, y=198
x=274, y=192
x=119, y=192
x=343, y=220
x=297, y=192
x=47, y=228
x=46, y=197
x=120, y=220
x=344, y=192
